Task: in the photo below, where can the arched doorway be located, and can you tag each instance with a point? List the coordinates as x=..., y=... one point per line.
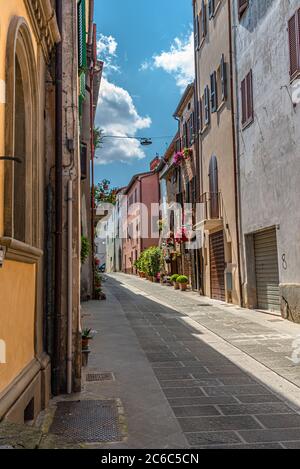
x=21, y=136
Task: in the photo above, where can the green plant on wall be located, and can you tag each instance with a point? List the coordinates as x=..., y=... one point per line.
x=85, y=249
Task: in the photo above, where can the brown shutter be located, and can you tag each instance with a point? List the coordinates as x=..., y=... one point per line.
x=249, y=97
x=294, y=39
x=244, y=101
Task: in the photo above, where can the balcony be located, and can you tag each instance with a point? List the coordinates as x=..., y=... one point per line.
x=210, y=211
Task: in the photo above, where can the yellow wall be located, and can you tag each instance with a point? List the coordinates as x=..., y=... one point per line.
x=8, y=10
x=17, y=280
x=17, y=307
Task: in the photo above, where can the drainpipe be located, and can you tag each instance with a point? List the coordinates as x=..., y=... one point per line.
x=56, y=362
x=70, y=289
x=235, y=153
x=92, y=173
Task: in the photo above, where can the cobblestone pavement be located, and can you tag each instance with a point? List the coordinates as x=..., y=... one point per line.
x=215, y=402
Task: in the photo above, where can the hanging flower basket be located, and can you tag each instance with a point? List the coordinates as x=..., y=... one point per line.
x=181, y=236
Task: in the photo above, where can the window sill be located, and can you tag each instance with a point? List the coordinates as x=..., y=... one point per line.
x=295, y=77
x=203, y=131
x=20, y=252
x=247, y=124
x=222, y=105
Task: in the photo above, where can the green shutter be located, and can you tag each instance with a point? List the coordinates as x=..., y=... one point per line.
x=82, y=49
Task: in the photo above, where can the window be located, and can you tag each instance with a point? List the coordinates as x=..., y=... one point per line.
x=197, y=31
x=82, y=49
x=223, y=69
x=185, y=138
x=211, y=8
x=247, y=100
x=294, y=44
x=203, y=21
x=206, y=106
x=178, y=145
x=213, y=92
x=191, y=129
x=242, y=6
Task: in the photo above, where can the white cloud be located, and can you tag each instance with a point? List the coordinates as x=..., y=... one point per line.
x=178, y=61
x=106, y=49
x=116, y=113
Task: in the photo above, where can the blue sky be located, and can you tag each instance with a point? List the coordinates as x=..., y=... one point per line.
x=147, y=48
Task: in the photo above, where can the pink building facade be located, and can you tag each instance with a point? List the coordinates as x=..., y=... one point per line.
x=142, y=193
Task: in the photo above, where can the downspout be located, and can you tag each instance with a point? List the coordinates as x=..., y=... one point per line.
x=58, y=210
x=70, y=287
x=235, y=155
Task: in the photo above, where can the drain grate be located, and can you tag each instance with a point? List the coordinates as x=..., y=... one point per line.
x=95, y=377
x=87, y=421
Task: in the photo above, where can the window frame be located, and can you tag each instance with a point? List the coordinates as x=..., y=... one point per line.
x=246, y=96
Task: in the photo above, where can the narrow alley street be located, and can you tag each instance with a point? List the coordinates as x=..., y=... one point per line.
x=178, y=383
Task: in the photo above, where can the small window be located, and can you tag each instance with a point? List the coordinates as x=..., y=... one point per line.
x=203, y=21
x=247, y=100
x=242, y=6
x=294, y=44
x=223, y=69
x=206, y=106
x=211, y=8
x=213, y=92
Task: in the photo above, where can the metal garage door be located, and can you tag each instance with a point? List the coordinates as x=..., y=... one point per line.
x=217, y=266
x=266, y=268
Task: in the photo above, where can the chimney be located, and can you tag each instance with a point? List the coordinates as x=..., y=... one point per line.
x=154, y=163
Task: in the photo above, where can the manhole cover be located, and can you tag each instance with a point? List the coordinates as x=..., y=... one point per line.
x=95, y=377
x=87, y=421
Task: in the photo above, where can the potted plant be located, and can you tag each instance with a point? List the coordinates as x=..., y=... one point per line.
x=183, y=282
x=174, y=281
x=85, y=338
x=85, y=249
x=99, y=295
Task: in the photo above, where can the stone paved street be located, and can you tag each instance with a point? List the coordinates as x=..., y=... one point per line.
x=183, y=386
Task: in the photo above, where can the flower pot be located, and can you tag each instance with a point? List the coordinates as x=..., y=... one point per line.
x=85, y=343
x=183, y=286
x=176, y=285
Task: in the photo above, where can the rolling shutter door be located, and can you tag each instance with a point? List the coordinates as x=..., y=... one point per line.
x=266, y=268
x=217, y=266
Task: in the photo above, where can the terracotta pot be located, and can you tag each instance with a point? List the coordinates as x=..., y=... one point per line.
x=183, y=286
x=85, y=343
x=176, y=285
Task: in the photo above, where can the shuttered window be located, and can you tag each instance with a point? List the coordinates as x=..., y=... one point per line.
x=203, y=20
x=197, y=31
x=213, y=92
x=247, y=100
x=294, y=44
x=82, y=49
x=211, y=8
x=224, y=78
x=206, y=106
x=242, y=6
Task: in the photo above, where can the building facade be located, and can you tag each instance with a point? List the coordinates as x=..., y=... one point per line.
x=268, y=127
x=139, y=220
x=29, y=34
x=216, y=141
x=43, y=61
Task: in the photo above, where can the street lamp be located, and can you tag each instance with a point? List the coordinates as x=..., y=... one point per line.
x=143, y=140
